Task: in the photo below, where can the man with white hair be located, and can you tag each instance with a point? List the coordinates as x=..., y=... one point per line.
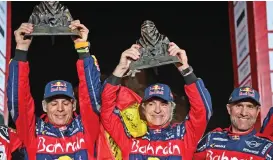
x=162, y=140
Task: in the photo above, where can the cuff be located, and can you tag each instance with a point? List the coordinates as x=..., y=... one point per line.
x=191, y=78
x=114, y=80
x=84, y=55
x=20, y=55
x=82, y=49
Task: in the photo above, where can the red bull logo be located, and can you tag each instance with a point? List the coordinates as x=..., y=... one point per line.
x=157, y=131
x=156, y=89
x=247, y=89
x=247, y=92
x=58, y=86
x=235, y=137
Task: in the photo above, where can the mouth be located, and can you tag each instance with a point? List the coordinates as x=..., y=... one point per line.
x=243, y=119
x=60, y=116
x=157, y=116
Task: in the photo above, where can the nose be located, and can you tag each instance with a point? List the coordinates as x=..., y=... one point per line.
x=157, y=109
x=244, y=111
x=60, y=108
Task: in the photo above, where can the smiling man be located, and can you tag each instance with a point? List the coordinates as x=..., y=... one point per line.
x=162, y=140
x=240, y=140
x=60, y=133
x=158, y=105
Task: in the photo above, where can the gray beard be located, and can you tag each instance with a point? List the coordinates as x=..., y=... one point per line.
x=235, y=124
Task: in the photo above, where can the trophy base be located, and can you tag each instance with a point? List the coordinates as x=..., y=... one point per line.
x=53, y=31
x=148, y=62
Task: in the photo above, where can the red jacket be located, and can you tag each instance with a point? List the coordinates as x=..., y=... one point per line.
x=225, y=145
x=173, y=142
x=9, y=142
x=42, y=139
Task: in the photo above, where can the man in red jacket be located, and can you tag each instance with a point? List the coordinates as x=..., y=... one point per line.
x=240, y=141
x=60, y=133
x=163, y=140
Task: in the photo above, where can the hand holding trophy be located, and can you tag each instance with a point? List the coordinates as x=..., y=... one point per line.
x=51, y=18
x=154, y=49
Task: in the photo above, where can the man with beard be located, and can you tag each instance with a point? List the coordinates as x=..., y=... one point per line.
x=240, y=140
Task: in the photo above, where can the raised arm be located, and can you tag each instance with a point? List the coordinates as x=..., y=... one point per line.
x=199, y=98
x=115, y=97
x=20, y=101
x=89, y=86
x=199, y=114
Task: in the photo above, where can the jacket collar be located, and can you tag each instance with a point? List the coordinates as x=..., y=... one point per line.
x=46, y=120
x=237, y=136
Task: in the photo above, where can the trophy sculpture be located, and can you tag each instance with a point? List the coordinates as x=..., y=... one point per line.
x=154, y=48
x=50, y=18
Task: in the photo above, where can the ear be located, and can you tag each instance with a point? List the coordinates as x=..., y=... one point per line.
x=258, y=110
x=74, y=107
x=143, y=108
x=228, y=108
x=44, y=104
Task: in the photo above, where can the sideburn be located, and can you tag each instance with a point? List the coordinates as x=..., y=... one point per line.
x=141, y=113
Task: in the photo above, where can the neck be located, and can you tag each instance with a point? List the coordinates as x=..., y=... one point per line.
x=158, y=126
x=239, y=132
x=56, y=125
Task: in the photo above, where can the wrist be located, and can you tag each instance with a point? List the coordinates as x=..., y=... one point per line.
x=187, y=71
x=183, y=67
x=82, y=49
x=119, y=71
x=20, y=55
x=22, y=47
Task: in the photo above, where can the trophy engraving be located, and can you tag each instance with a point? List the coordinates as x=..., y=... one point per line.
x=154, y=48
x=51, y=18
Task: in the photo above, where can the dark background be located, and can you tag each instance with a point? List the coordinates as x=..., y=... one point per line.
x=201, y=28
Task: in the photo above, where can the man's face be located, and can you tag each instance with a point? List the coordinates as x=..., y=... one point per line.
x=157, y=111
x=60, y=110
x=243, y=115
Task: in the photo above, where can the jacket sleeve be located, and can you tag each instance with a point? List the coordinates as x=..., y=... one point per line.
x=267, y=127
x=110, y=113
x=269, y=154
x=20, y=102
x=14, y=140
x=89, y=96
x=200, y=153
x=200, y=111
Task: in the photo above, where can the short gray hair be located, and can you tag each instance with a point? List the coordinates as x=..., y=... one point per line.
x=173, y=105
